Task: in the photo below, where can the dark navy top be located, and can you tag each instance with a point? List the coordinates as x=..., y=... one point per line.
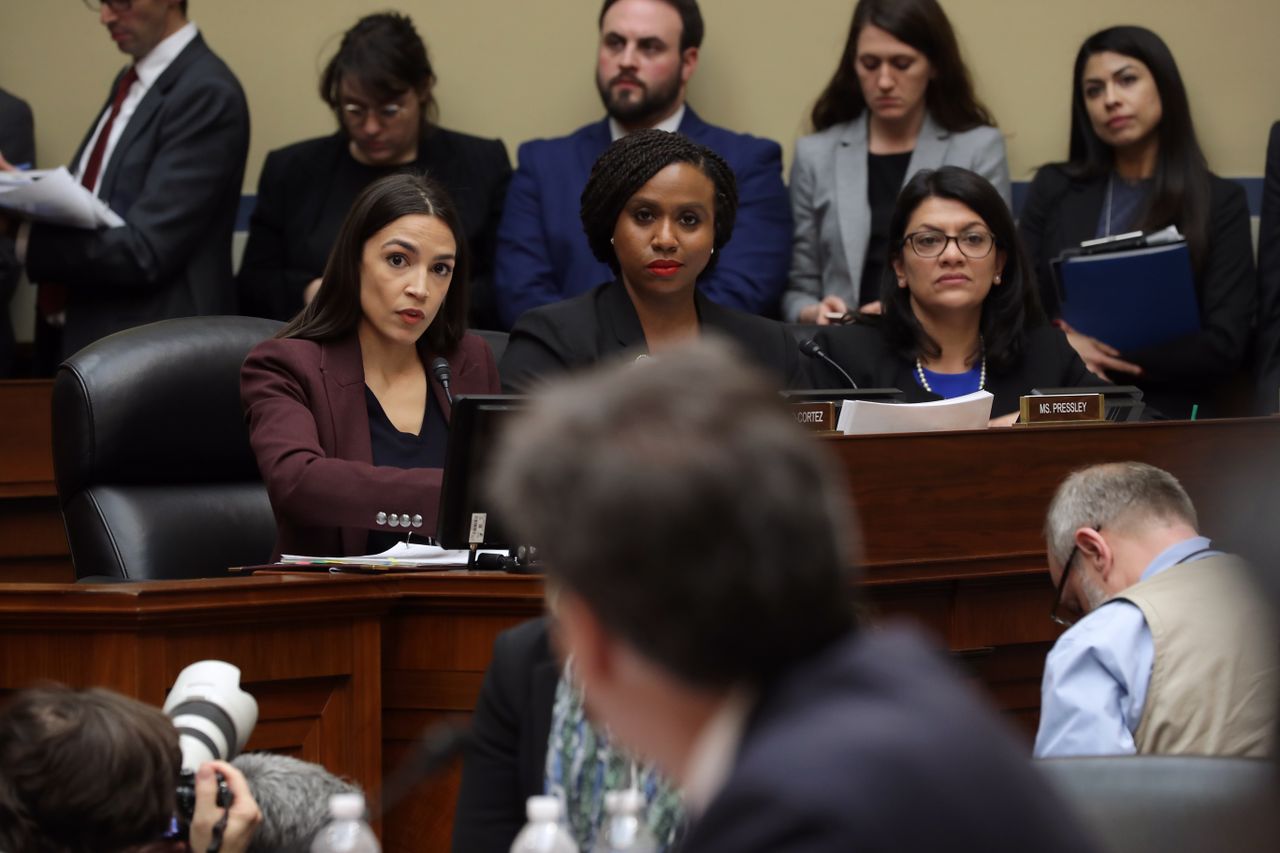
x=395, y=449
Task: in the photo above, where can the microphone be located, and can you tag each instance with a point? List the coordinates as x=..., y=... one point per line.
x=810, y=347
x=435, y=748
x=440, y=368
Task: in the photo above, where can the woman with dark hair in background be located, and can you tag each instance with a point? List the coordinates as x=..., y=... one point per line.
x=901, y=100
x=656, y=208
x=1135, y=165
x=348, y=424
x=379, y=86
x=960, y=309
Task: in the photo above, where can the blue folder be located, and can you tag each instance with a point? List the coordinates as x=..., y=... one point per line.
x=1130, y=299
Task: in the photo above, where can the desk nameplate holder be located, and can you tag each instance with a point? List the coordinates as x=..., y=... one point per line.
x=819, y=417
x=1038, y=410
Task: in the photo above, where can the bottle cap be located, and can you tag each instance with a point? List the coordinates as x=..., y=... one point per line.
x=543, y=809
x=625, y=802
x=346, y=806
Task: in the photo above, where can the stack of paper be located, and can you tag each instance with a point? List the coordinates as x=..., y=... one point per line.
x=972, y=411
x=409, y=555
x=54, y=196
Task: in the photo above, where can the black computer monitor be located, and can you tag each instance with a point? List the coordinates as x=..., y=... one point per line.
x=466, y=517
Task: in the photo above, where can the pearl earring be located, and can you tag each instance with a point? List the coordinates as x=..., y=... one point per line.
x=610, y=241
x=995, y=280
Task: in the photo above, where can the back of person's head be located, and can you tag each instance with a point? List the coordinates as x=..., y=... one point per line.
x=680, y=501
x=293, y=796
x=1008, y=310
x=1116, y=495
x=335, y=311
x=630, y=163
x=922, y=25
x=384, y=56
x=84, y=771
x=1180, y=191
x=692, y=28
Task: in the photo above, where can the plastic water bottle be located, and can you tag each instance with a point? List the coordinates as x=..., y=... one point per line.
x=543, y=833
x=346, y=831
x=624, y=830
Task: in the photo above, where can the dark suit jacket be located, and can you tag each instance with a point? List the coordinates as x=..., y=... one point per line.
x=875, y=745
x=543, y=255
x=1060, y=212
x=309, y=427
x=1269, y=281
x=18, y=145
x=603, y=323
x=506, y=763
x=175, y=178
x=300, y=209
x=1048, y=361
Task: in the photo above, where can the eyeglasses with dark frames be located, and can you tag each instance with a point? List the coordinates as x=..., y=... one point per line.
x=1054, y=614
x=974, y=245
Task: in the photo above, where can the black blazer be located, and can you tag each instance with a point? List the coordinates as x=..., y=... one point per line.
x=301, y=206
x=1060, y=212
x=175, y=178
x=875, y=745
x=18, y=145
x=603, y=323
x=1048, y=361
x=1269, y=281
x=506, y=763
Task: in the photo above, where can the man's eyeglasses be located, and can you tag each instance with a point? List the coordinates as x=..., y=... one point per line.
x=974, y=245
x=116, y=6
x=1056, y=613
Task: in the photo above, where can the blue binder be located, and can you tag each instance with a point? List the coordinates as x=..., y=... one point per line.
x=1130, y=299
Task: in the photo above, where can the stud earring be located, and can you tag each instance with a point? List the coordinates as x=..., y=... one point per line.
x=995, y=280
x=610, y=241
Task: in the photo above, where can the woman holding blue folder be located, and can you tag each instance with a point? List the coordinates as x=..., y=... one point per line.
x=1135, y=165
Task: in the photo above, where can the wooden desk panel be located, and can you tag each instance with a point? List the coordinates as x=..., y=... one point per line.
x=33, y=543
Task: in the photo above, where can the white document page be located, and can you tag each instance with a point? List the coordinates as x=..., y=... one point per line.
x=54, y=196
x=860, y=417
x=400, y=554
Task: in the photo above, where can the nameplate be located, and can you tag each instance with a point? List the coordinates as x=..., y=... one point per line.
x=819, y=417
x=1063, y=409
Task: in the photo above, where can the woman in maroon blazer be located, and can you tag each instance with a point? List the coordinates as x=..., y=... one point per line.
x=347, y=422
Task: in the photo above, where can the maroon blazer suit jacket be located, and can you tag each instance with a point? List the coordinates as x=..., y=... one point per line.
x=309, y=428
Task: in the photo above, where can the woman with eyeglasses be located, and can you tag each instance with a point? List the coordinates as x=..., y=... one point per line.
x=379, y=86
x=960, y=310
x=901, y=100
x=1135, y=165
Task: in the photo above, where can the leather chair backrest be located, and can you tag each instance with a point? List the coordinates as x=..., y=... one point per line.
x=497, y=341
x=1172, y=803
x=152, y=462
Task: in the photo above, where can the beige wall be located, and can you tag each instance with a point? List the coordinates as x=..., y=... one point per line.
x=517, y=69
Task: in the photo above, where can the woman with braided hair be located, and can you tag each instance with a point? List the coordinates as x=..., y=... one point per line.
x=656, y=209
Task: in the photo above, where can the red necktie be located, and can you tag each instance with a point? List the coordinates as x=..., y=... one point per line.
x=52, y=298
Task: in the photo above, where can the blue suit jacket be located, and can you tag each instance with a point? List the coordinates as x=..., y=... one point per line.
x=543, y=254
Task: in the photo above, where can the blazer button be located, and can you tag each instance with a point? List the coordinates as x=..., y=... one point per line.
x=417, y=520
x=381, y=518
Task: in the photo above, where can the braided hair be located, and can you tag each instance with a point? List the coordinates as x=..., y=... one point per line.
x=629, y=164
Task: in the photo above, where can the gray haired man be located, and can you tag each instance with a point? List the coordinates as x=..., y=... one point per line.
x=1170, y=649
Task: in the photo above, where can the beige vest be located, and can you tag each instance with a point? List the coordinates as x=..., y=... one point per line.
x=1215, y=681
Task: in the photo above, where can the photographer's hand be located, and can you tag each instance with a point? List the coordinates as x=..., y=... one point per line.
x=241, y=819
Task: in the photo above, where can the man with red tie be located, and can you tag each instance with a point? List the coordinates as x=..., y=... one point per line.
x=167, y=153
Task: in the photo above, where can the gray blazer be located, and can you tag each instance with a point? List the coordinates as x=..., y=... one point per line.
x=829, y=200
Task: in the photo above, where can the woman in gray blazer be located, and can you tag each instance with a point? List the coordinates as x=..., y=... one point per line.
x=900, y=101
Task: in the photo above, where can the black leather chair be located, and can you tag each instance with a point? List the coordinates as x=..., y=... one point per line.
x=1172, y=803
x=497, y=341
x=151, y=454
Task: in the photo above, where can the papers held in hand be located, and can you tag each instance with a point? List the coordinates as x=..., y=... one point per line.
x=54, y=196
x=1131, y=292
x=972, y=411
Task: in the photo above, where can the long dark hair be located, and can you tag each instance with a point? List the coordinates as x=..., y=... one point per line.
x=629, y=164
x=335, y=312
x=923, y=25
x=1009, y=309
x=384, y=54
x=1180, y=186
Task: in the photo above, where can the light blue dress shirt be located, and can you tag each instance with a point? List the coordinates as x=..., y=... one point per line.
x=1096, y=675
